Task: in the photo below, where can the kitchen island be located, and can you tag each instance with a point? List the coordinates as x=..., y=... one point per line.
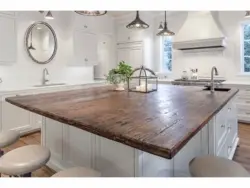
x=134, y=134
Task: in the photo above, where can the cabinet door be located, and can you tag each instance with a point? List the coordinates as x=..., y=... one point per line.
x=53, y=138
x=85, y=48
x=122, y=34
x=181, y=160
x=7, y=40
x=136, y=56
x=104, y=57
x=77, y=146
x=123, y=55
x=86, y=23
x=15, y=118
x=114, y=159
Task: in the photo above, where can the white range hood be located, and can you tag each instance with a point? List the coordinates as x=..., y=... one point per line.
x=199, y=31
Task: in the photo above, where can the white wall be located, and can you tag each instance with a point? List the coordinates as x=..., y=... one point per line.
x=25, y=72
x=228, y=62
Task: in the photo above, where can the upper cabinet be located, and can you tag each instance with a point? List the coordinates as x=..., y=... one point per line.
x=85, y=48
x=8, y=39
x=86, y=23
x=127, y=35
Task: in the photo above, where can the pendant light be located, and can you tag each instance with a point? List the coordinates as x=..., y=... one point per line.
x=165, y=31
x=247, y=15
x=31, y=46
x=137, y=23
x=91, y=13
x=49, y=16
x=160, y=27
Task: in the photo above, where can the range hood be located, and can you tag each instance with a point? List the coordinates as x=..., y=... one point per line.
x=199, y=31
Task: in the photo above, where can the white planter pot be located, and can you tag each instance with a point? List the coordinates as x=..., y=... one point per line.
x=119, y=87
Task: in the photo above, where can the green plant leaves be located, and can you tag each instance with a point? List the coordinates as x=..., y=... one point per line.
x=119, y=74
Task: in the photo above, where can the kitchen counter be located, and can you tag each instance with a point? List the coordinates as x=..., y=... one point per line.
x=9, y=89
x=160, y=123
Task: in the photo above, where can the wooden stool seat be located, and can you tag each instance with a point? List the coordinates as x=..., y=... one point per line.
x=212, y=166
x=77, y=172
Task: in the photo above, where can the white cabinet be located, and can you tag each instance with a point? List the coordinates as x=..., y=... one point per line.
x=105, y=59
x=13, y=117
x=8, y=41
x=128, y=35
x=113, y=158
x=86, y=23
x=132, y=54
x=224, y=140
x=75, y=153
x=85, y=48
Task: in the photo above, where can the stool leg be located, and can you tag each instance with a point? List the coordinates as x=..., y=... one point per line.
x=1, y=154
x=26, y=175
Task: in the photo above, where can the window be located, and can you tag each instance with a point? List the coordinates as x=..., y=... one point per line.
x=167, y=54
x=246, y=48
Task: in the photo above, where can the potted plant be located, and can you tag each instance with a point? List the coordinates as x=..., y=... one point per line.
x=118, y=76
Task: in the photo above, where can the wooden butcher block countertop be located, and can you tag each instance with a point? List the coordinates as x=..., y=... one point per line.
x=160, y=122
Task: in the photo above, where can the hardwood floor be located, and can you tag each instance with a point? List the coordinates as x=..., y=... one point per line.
x=242, y=154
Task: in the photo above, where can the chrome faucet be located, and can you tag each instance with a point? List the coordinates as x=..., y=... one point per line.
x=45, y=72
x=212, y=77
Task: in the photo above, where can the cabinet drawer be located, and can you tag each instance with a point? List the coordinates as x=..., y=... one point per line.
x=243, y=109
x=243, y=99
x=221, y=128
x=222, y=152
x=244, y=118
x=244, y=91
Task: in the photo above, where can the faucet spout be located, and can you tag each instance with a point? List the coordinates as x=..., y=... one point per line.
x=45, y=73
x=213, y=71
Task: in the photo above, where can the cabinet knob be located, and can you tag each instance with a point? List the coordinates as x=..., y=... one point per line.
x=229, y=109
x=85, y=59
x=85, y=26
x=222, y=126
x=128, y=38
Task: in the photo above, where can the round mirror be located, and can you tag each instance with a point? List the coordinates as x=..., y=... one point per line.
x=41, y=42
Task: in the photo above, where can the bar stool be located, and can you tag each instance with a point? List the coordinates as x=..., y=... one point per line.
x=213, y=166
x=8, y=138
x=24, y=160
x=77, y=172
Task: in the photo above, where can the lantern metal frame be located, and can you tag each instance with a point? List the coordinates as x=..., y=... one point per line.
x=147, y=78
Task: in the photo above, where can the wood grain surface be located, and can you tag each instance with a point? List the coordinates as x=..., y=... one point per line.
x=160, y=122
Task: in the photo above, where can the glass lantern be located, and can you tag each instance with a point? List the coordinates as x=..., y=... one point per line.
x=143, y=80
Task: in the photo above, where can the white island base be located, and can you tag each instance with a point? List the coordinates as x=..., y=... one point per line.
x=71, y=146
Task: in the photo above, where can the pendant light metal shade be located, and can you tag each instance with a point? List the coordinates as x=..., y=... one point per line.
x=49, y=16
x=165, y=31
x=91, y=13
x=137, y=23
x=247, y=15
x=160, y=27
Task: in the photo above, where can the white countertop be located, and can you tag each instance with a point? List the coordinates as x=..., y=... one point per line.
x=227, y=82
x=27, y=88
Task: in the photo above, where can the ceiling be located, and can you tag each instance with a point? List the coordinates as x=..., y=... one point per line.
x=124, y=13
x=119, y=13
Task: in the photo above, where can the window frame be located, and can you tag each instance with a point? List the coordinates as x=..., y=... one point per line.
x=162, y=69
x=242, y=40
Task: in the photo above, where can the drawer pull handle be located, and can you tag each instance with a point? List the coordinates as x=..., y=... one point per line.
x=247, y=113
x=229, y=150
x=247, y=101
